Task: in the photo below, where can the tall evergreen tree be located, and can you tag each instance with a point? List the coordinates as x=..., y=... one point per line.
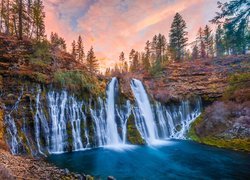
x=122, y=60
x=57, y=42
x=146, y=58
x=208, y=41
x=195, y=52
x=73, y=52
x=80, y=50
x=153, y=49
x=219, y=46
x=233, y=12
x=92, y=62
x=201, y=44
x=38, y=19
x=125, y=67
x=178, y=37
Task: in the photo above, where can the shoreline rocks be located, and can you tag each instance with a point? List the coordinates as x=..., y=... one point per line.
x=22, y=167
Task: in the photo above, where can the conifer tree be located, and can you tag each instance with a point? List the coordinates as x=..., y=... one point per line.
x=125, y=67
x=57, y=42
x=80, y=50
x=178, y=37
x=208, y=41
x=73, y=52
x=201, y=44
x=122, y=60
x=92, y=62
x=195, y=52
x=146, y=57
x=38, y=19
x=219, y=46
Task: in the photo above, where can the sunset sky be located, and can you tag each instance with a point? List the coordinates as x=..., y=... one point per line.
x=112, y=26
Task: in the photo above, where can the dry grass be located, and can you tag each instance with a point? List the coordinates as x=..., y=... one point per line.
x=4, y=174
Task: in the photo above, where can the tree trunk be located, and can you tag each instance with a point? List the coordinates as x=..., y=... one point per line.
x=8, y=18
x=20, y=19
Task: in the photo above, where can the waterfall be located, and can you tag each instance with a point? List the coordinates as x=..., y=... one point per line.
x=164, y=122
x=76, y=116
x=40, y=122
x=146, y=124
x=123, y=115
x=57, y=105
x=104, y=116
x=62, y=123
x=112, y=132
x=98, y=115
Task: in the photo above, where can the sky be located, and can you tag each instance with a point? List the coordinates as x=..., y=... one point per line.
x=113, y=26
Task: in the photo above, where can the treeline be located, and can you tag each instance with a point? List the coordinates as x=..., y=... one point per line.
x=231, y=37
x=25, y=19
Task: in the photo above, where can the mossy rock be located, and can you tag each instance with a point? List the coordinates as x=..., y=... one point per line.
x=234, y=143
x=133, y=136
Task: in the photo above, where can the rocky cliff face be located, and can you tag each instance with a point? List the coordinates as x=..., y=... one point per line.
x=205, y=78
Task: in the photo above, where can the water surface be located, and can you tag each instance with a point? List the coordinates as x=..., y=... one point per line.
x=171, y=160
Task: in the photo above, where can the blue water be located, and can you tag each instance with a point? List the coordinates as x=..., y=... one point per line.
x=174, y=160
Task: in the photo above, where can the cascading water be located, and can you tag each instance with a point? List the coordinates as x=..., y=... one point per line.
x=145, y=119
x=123, y=115
x=164, y=122
x=62, y=123
x=112, y=132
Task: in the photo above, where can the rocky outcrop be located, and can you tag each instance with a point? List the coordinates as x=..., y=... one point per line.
x=226, y=123
x=16, y=167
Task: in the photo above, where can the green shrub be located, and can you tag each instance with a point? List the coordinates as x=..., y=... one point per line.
x=41, y=55
x=79, y=82
x=237, y=82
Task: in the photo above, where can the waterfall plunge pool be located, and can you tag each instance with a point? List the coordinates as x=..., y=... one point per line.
x=175, y=159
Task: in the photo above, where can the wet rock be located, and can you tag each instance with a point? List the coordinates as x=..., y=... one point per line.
x=111, y=178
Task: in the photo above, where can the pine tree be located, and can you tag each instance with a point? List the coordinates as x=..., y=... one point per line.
x=219, y=46
x=153, y=46
x=146, y=58
x=233, y=12
x=241, y=36
x=178, y=37
x=131, y=57
x=80, y=50
x=208, y=41
x=234, y=16
x=38, y=16
x=195, y=52
x=92, y=62
x=125, y=67
x=122, y=59
x=57, y=42
x=201, y=44
x=73, y=52
x=134, y=60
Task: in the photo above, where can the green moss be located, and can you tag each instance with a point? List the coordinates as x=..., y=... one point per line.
x=133, y=135
x=82, y=84
x=236, y=144
x=236, y=82
x=70, y=137
x=192, y=133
